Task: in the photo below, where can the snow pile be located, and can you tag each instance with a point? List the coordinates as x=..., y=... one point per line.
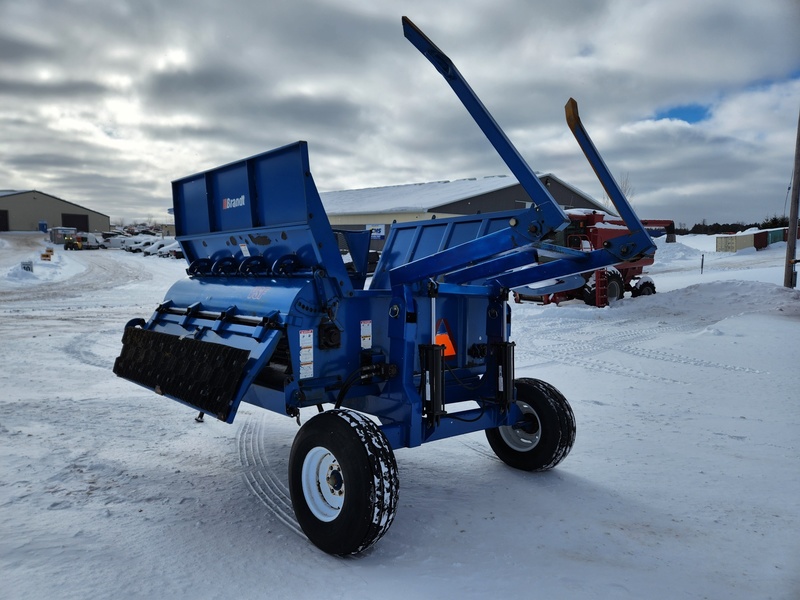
x=675, y=251
x=60, y=267
x=682, y=482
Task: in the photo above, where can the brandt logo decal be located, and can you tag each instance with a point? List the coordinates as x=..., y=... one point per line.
x=232, y=202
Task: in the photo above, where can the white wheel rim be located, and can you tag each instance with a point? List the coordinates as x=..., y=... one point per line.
x=323, y=484
x=519, y=439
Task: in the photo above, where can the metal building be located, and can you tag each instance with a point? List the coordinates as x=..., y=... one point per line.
x=25, y=210
x=377, y=208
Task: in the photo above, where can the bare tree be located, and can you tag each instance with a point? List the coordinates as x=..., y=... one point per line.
x=625, y=186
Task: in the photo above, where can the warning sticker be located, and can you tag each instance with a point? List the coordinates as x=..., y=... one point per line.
x=366, y=335
x=306, y=353
x=445, y=338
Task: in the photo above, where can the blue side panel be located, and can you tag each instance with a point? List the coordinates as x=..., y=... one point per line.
x=189, y=201
x=416, y=240
x=260, y=216
x=230, y=199
x=266, y=190
x=396, y=251
x=430, y=239
x=279, y=179
x=464, y=232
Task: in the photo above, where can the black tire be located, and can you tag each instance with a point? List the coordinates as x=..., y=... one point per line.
x=343, y=481
x=646, y=288
x=615, y=286
x=548, y=434
x=589, y=294
x=615, y=289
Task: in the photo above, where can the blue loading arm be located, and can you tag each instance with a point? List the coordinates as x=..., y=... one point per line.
x=639, y=241
x=533, y=225
x=548, y=213
x=542, y=219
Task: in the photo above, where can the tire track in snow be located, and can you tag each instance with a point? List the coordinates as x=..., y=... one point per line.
x=570, y=356
x=684, y=360
x=261, y=477
x=479, y=448
x=586, y=353
x=93, y=353
x=574, y=352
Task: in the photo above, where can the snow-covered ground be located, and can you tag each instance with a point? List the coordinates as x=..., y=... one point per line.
x=684, y=481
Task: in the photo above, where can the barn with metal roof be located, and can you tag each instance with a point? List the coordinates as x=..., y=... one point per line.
x=25, y=210
x=377, y=208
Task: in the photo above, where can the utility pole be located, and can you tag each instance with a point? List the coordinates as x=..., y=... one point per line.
x=791, y=238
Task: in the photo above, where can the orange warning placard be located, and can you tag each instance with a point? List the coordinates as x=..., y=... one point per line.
x=445, y=338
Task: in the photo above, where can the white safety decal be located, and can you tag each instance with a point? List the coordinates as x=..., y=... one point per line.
x=306, y=353
x=366, y=335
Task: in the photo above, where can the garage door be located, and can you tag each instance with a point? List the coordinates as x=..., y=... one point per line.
x=3, y=220
x=79, y=222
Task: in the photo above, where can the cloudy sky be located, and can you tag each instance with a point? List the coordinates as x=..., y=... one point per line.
x=695, y=102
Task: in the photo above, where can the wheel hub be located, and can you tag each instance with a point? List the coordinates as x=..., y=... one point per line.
x=335, y=480
x=524, y=435
x=323, y=484
x=529, y=424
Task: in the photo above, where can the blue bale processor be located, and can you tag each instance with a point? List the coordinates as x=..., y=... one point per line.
x=271, y=315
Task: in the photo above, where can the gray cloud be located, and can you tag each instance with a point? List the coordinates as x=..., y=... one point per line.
x=29, y=91
x=104, y=103
x=20, y=50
